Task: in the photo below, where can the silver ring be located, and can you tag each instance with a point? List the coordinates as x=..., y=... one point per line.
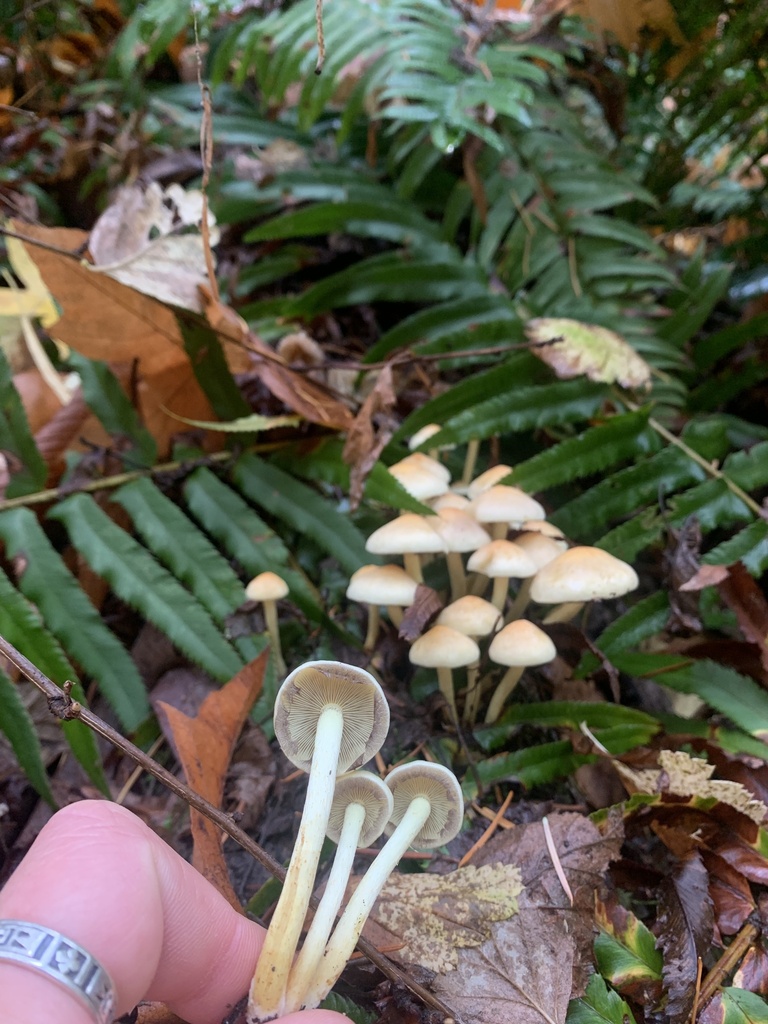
x=59, y=958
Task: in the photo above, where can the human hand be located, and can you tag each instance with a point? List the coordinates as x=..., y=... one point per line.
x=101, y=877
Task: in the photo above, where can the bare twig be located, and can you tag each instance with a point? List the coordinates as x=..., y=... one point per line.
x=320, y=37
x=62, y=706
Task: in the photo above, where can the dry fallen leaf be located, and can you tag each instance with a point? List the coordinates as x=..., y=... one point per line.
x=436, y=915
x=571, y=348
x=137, y=241
x=370, y=432
x=205, y=744
x=679, y=774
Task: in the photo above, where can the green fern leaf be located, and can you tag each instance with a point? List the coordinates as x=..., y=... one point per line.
x=70, y=616
x=137, y=578
x=16, y=723
x=105, y=397
x=246, y=537
x=597, y=449
x=388, y=219
x=178, y=543
x=16, y=439
x=301, y=507
x=749, y=546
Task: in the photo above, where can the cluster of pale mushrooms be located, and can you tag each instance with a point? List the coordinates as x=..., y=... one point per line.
x=329, y=718
x=492, y=578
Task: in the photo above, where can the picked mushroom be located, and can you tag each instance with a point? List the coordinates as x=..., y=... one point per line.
x=329, y=717
x=428, y=811
x=362, y=806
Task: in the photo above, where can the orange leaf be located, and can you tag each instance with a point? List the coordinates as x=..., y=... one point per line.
x=205, y=744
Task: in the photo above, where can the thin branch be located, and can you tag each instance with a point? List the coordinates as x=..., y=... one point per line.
x=63, y=707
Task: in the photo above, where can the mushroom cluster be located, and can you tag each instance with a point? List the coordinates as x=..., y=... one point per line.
x=499, y=553
x=330, y=718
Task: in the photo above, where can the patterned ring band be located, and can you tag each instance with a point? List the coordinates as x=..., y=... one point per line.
x=59, y=958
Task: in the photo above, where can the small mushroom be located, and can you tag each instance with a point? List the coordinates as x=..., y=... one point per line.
x=376, y=585
x=475, y=617
x=461, y=533
x=269, y=588
x=541, y=548
x=329, y=717
x=422, y=476
x=519, y=645
x=428, y=811
x=362, y=805
x=578, y=575
x=501, y=560
x=488, y=479
x=409, y=535
x=501, y=507
x=444, y=649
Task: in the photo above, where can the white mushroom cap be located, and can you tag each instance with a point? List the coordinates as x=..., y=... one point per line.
x=311, y=688
x=451, y=499
x=488, y=479
x=502, y=504
x=473, y=616
x=540, y=548
x=424, y=464
x=407, y=533
x=521, y=643
x=267, y=586
x=440, y=787
x=501, y=558
x=583, y=574
x=459, y=530
x=544, y=527
x=423, y=435
x=382, y=584
x=300, y=348
x=372, y=793
x=441, y=647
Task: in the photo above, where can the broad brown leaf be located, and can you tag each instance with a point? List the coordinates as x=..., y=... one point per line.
x=205, y=744
x=685, y=933
x=426, y=605
x=681, y=563
x=731, y=894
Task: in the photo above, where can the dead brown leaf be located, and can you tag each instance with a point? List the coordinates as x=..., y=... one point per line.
x=104, y=319
x=681, y=563
x=369, y=433
x=205, y=744
x=426, y=605
x=304, y=396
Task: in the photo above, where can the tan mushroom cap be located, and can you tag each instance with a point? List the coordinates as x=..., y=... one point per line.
x=424, y=464
x=540, y=548
x=382, y=584
x=407, y=533
x=423, y=435
x=501, y=558
x=451, y=499
x=521, y=643
x=459, y=530
x=442, y=647
x=583, y=574
x=370, y=792
x=488, y=479
x=440, y=787
x=308, y=690
x=544, y=527
x=502, y=504
x=267, y=586
x=473, y=616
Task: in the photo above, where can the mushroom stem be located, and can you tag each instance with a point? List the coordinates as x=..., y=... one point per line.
x=412, y=563
x=500, y=591
x=311, y=954
x=563, y=612
x=395, y=615
x=270, y=619
x=470, y=460
x=347, y=931
x=472, y=700
x=508, y=682
x=456, y=575
x=521, y=600
x=498, y=531
x=372, y=633
x=445, y=682
x=269, y=981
